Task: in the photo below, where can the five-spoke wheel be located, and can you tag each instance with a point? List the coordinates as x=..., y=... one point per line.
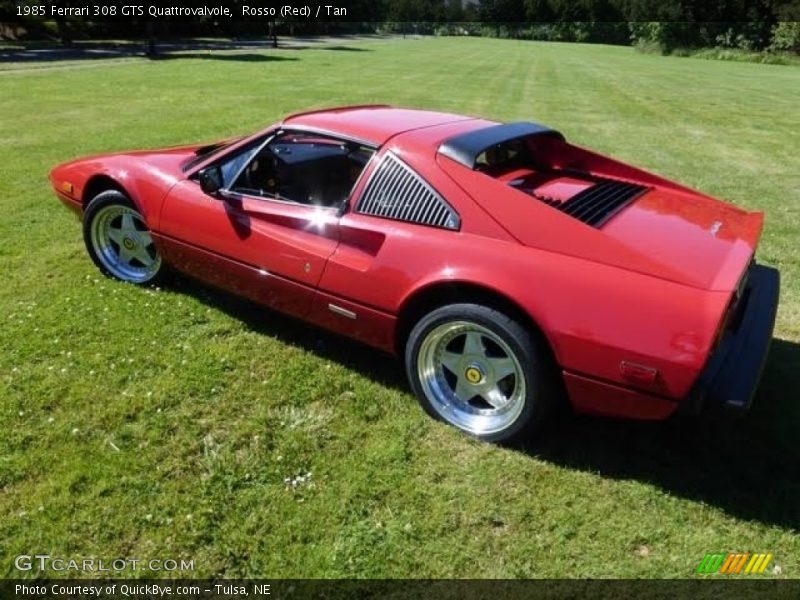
x=119, y=241
x=479, y=370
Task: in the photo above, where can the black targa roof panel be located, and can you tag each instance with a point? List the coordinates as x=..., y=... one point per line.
x=467, y=147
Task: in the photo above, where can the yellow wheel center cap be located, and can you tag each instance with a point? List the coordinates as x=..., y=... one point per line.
x=473, y=375
x=128, y=243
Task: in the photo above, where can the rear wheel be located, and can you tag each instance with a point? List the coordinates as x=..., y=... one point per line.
x=119, y=241
x=481, y=371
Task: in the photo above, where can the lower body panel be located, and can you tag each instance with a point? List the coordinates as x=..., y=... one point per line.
x=590, y=396
x=372, y=327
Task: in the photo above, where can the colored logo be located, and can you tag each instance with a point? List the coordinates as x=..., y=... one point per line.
x=734, y=563
x=474, y=375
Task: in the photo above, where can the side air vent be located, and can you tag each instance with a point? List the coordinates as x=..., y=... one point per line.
x=394, y=191
x=597, y=204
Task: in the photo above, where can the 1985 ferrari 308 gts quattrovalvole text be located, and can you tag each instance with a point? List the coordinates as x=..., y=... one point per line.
x=506, y=266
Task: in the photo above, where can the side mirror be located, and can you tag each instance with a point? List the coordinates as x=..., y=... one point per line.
x=211, y=180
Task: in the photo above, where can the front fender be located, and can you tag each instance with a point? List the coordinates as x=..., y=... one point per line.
x=146, y=185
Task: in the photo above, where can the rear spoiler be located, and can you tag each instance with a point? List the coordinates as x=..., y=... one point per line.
x=467, y=147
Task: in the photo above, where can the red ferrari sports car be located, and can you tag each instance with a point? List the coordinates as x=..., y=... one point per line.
x=506, y=266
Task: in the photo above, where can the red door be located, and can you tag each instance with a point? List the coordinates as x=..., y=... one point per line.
x=269, y=250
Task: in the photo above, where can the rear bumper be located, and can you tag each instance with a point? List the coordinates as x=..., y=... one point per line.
x=732, y=374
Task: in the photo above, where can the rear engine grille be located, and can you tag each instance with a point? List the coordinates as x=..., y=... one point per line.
x=597, y=204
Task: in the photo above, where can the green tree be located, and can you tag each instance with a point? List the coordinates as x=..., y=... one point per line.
x=502, y=11
x=538, y=10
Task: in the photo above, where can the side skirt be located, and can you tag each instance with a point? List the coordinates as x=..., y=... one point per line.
x=590, y=396
x=367, y=325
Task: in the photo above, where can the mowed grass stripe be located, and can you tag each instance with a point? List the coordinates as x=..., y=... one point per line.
x=166, y=423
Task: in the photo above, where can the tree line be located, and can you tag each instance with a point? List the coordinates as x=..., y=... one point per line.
x=663, y=24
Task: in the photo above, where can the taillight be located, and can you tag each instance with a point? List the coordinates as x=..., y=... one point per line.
x=732, y=307
x=723, y=326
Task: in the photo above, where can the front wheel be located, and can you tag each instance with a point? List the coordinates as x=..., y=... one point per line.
x=480, y=371
x=118, y=240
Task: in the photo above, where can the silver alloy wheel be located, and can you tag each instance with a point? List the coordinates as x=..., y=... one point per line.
x=471, y=377
x=123, y=244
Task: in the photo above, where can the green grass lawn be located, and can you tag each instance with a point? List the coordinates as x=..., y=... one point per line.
x=164, y=423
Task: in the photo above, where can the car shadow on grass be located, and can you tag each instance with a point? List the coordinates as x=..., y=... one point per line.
x=93, y=51
x=345, y=49
x=747, y=465
x=231, y=56
x=378, y=366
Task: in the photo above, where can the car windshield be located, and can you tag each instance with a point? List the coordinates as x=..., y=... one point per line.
x=208, y=151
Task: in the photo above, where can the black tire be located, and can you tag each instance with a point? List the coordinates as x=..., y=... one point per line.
x=107, y=254
x=500, y=337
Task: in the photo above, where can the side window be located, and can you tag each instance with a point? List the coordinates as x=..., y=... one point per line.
x=303, y=168
x=231, y=165
x=395, y=191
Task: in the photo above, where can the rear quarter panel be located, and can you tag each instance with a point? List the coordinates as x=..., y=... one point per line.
x=594, y=315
